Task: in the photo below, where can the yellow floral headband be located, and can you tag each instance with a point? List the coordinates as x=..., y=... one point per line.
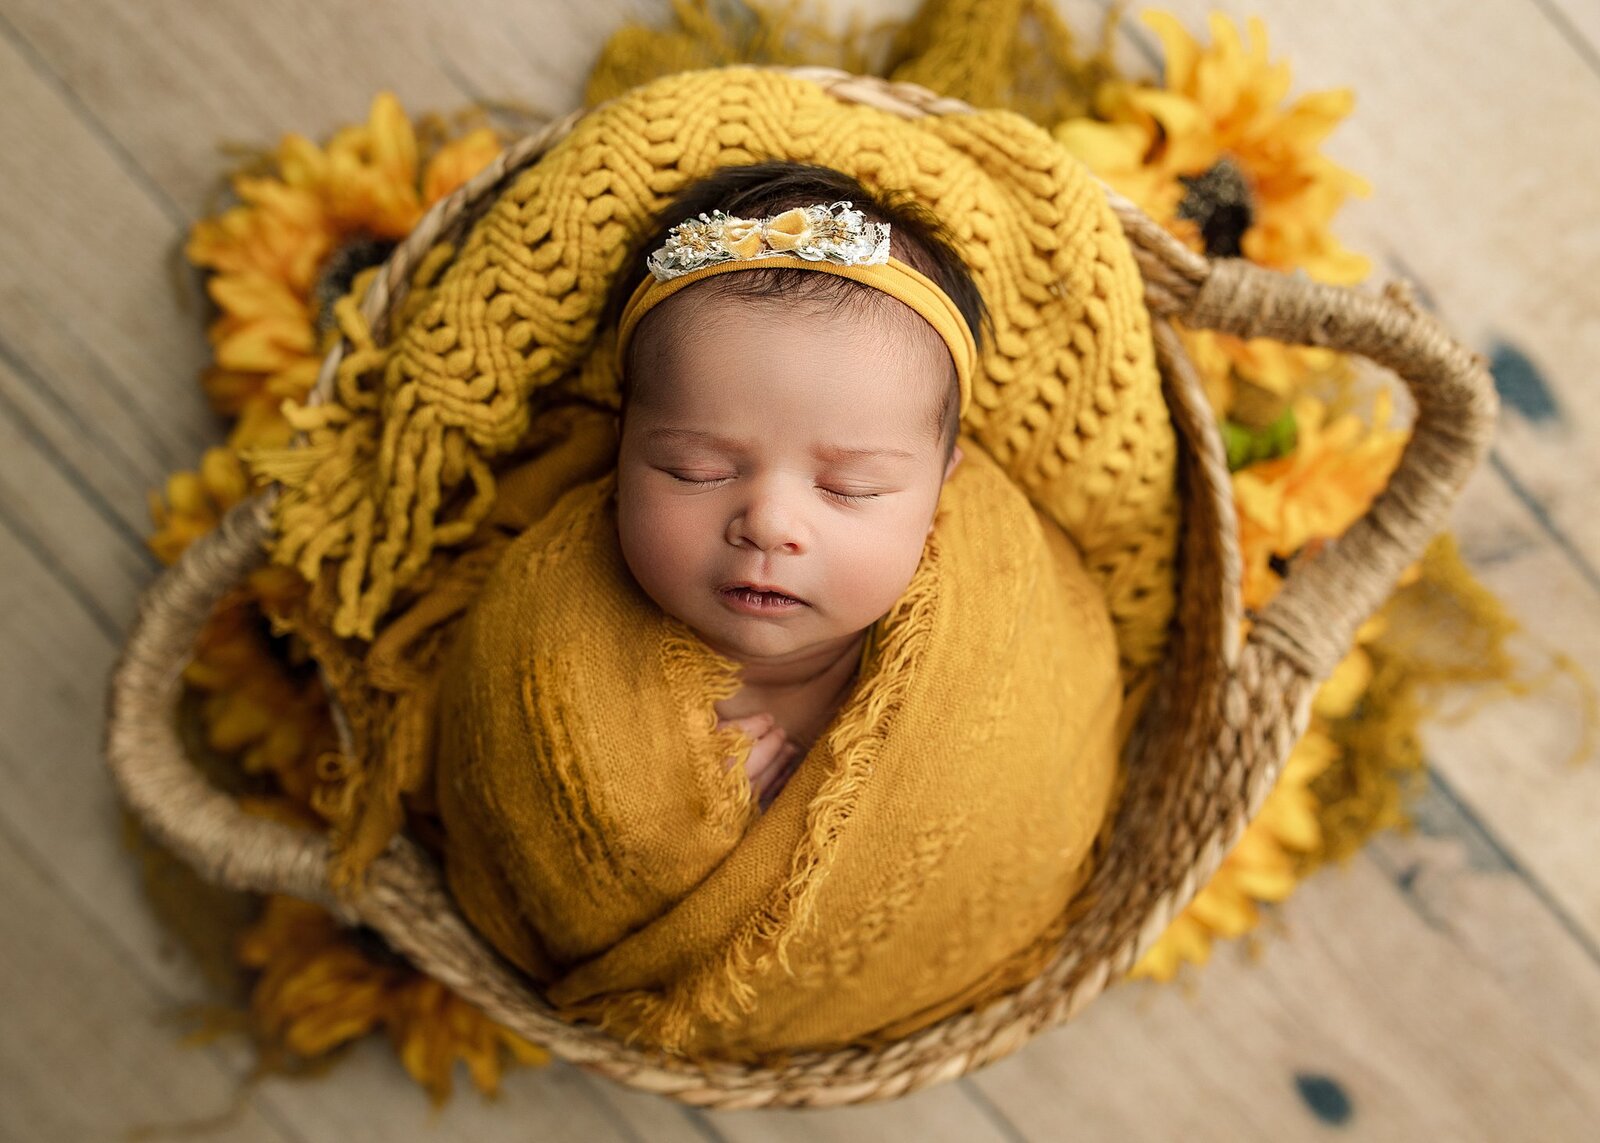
x=833, y=239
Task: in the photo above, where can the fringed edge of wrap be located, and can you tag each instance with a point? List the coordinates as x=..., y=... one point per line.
x=728, y=798
x=722, y=988
x=386, y=691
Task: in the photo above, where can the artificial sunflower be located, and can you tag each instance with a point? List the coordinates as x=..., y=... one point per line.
x=308, y=218
x=262, y=705
x=1261, y=868
x=320, y=988
x=1312, y=493
x=1282, y=842
x=1294, y=502
x=1216, y=156
x=194, y=502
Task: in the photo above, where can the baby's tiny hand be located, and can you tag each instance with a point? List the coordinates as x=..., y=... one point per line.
x=771, y=758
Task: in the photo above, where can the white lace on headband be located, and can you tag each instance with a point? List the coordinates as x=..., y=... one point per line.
x=818, y=233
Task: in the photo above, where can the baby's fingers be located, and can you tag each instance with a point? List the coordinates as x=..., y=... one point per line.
x=771, y=784
x=766, y=755
x=754, y=726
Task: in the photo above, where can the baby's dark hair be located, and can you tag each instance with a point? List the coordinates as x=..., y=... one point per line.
x=758, y=189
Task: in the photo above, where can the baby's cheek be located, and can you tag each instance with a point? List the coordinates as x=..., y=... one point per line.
x=659, y=544
x=883, y=567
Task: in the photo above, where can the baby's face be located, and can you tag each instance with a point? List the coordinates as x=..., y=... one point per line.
x=773, y=446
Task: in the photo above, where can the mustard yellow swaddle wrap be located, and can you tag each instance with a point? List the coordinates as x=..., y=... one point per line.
x=920, y=859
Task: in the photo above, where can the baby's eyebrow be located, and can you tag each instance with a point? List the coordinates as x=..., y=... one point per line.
x=827, y=452
x=837, y=453
x=693, y=436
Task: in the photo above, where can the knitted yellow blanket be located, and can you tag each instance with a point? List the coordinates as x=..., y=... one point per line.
x=920, y=860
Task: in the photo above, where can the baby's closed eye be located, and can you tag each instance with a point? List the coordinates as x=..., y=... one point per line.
x=851, y=497
x=708, y=481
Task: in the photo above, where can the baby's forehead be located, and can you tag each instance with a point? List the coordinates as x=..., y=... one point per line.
x=850, y=322
x=863, y=447
x=712, y=353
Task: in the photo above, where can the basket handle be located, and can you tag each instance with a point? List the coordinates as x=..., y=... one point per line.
x=180, y=808
x=1312, y=620
x=176, y=803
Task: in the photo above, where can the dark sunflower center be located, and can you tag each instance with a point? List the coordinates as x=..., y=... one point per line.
x=1219, y=201
x=340, y=268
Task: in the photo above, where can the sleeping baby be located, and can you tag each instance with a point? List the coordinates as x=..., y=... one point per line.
x=796, y=725
x=786, y=433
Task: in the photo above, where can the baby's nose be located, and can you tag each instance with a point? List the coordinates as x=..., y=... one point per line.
x=767, y=523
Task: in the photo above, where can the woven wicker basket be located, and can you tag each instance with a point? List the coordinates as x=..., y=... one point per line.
x=1208, y=749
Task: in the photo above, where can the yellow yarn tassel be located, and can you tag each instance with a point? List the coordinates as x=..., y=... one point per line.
x=733, y=33
x=1444, y=630
x=1017, y=54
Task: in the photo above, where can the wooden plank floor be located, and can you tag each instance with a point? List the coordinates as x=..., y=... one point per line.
x=1445, y=984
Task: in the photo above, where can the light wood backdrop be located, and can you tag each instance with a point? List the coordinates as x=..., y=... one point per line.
x=1445, y=984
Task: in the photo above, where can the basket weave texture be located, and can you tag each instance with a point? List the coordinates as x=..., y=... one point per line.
x=1211, y=741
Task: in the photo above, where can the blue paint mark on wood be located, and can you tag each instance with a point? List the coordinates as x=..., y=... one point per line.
x=1439, y=812
x=1325, y=1096
x=1520, y=384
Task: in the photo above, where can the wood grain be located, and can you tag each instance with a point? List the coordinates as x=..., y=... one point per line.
x=1356, y=990
x=90, y=303
x=1445, y=984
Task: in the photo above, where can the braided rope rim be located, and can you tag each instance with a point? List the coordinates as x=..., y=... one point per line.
x=1211, y=745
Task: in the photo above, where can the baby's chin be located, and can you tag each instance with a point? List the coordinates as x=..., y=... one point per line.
x=753, y=639
x=747, y=643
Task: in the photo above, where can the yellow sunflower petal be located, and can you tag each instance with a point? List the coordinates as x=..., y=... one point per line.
x=1219, y=71
x=239, y=720
x=255, y=295
x=1311, y=118
x=301, y=163
x=392, y=140
x=458, y=161
x=1293, y=821
x=1179, y=50
x=355, y=1009
x=523, y=1051
x=223, y=477
x=186, y=494
x=1266, y=884
x=1186, y=939
x=1337, y=696
x=264, y=346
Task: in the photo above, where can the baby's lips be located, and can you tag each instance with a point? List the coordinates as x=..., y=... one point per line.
x=751, y=585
